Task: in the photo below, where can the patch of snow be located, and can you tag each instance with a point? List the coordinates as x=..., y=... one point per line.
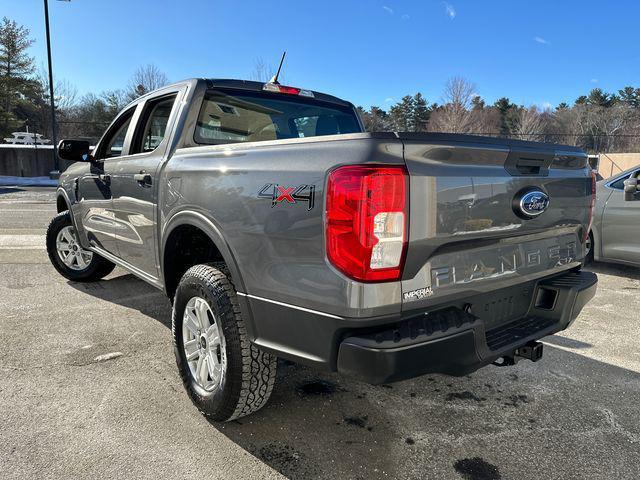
x=22, y=146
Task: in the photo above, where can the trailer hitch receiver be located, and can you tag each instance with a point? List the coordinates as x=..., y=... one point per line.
x=531, y=351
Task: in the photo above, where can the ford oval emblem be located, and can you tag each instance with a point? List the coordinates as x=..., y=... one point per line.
x=531, y=203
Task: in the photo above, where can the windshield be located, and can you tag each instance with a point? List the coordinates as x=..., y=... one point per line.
x=241, y=116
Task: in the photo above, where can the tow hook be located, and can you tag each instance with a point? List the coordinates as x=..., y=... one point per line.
x=531, y=351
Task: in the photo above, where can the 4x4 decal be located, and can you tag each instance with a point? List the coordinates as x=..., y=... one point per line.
x=281, y=193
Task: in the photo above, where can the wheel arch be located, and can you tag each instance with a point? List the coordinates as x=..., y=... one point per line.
x=62, y=201
x=187, y=218
x=597, y=242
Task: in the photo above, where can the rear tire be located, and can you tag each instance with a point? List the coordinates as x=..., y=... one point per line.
x=226, y=376
x=68, y=257
x=589, y=257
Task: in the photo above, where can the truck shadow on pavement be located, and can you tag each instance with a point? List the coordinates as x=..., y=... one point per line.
x=118, y=289
x=614, y=269
x=561, y=417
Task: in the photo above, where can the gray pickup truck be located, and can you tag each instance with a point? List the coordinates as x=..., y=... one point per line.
x=278, y=228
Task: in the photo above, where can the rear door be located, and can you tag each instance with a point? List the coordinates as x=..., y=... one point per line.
x=94, y=209
x=134, y=183
x=621, y=225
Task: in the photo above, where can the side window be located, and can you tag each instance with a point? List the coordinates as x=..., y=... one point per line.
x=153, y=124
x=113, y=143
x=619, y=184
x=323, y=125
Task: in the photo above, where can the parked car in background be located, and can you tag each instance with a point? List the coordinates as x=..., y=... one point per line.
x=615, y=233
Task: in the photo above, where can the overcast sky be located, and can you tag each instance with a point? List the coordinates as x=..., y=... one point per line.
x=370, y=52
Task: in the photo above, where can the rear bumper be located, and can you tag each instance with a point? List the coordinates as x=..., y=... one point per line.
x=454, y=342
x=444, y=339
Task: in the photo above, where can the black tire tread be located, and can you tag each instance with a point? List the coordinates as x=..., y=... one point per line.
x=99, y=268
x=258, y=369
x=590, y=257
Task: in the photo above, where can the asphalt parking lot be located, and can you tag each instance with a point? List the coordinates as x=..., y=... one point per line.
x=89, y=389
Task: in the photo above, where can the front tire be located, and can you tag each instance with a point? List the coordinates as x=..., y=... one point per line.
x=68, y=257
x=226, y=376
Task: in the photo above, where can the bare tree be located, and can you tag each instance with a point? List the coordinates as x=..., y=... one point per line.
x=528, y=124
x=64, y=91
x=485, y=121
x=598, y=126
x=455, y=115
x=146, y=79
x=65, y=102
x=460, y=92
x=263, y=72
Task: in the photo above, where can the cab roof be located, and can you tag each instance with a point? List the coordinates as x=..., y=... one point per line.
x=258, y=87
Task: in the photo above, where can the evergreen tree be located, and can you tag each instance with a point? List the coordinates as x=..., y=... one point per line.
x=598, y=98
x=508, y=114
x=401, y=115
x=16, y=67
x=421, y=113
x=630, y=96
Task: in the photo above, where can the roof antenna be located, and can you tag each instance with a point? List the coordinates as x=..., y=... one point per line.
x=274, y=79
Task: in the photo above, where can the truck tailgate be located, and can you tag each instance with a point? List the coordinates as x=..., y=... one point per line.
x=470, y=233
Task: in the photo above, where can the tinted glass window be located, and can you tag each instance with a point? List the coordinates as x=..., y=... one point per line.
x=238, y=116
x=619, y=184
x=155, y=120
x=114, y=141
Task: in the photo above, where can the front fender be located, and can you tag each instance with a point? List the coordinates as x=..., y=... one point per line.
x=63, y=196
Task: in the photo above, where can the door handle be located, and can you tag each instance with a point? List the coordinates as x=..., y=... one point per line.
x=142, y=178
x=106, y=179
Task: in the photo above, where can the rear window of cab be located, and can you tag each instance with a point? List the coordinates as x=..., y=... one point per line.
x=242, y=116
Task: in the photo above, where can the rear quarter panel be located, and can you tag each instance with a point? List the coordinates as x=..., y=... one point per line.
x=279, y=248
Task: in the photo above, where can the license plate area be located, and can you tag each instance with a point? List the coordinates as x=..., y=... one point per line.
x=503, y=306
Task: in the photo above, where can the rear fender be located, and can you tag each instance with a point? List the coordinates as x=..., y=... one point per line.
x=197, y=219
x=208, y=226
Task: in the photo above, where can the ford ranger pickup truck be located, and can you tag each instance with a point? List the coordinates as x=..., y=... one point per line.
x=279, y=228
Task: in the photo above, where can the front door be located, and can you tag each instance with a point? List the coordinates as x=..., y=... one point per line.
x=134, y=185
x=94, y=210
x=621, y=228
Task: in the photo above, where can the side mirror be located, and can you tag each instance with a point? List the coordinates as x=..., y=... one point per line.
x=74, y=150
x=630, y=189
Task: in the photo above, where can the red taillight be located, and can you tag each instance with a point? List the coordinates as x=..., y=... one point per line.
x=594, y=178
x=289, y=90
x=367, y=221
x=277, y=88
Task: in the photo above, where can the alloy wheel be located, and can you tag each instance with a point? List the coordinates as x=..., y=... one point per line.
x=204, y=344
x=69, y=250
